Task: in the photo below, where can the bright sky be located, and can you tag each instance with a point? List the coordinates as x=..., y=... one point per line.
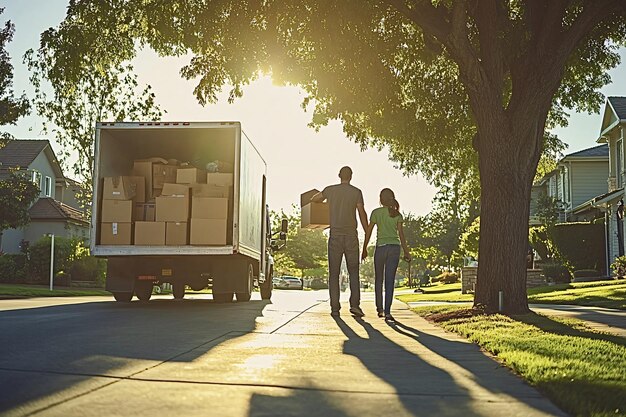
x=298, y=158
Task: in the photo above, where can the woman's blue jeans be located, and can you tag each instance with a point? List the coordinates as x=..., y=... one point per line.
x=386, y=259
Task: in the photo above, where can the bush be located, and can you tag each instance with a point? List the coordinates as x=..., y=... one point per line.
x=448, y=277
x=556, y=272
x=586, y=273
x=88, y=268
x=62, y=279
x=318, y=284
x=66, y=251
x=580, y=245
x=619, y=266
x=12, y=268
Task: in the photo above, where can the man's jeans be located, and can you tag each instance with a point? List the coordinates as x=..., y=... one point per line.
x=386, y=260
x=338, y=246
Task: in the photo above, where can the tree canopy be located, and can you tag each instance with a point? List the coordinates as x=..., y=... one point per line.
x=448, y=86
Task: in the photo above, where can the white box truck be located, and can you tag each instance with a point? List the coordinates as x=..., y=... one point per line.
x=233, y=268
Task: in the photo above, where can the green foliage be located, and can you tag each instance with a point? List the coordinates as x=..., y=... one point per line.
x=619, y=266
x=447, y=277
x=580, y=245
x=540, y=241
x=469, y=239
x=12, y=268
x=17, y=193
x=318, y=284
x=547, y=209
x=556, y=272
x=305, y=249
x=11, y=107
x=66, y=252
x=88, y=268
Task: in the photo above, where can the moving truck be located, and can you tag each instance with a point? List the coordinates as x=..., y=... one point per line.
x=181, y=203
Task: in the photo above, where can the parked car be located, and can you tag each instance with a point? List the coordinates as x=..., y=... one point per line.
x=287, y=282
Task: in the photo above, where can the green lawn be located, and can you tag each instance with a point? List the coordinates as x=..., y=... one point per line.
x=609, y=294
x=582, y=371
x=40, y=291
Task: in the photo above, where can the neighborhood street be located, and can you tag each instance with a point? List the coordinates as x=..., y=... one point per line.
x=91, y=356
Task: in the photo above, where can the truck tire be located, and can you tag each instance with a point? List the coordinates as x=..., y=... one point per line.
x=178, y=290
x=266, y=287
x=222, y=298
x=143, y=290
x=247, y=294
x=123, y=297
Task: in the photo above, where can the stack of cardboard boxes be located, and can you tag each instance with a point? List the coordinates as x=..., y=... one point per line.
x=169, y=205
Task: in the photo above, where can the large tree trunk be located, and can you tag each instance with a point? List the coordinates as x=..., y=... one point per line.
x=507, y=167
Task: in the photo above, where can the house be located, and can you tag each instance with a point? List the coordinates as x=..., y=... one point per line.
x=578, y=177
x=55, y=211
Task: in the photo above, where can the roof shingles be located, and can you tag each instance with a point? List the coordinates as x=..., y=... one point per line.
x=21, y=153
x=50, y=209
x=619, y=105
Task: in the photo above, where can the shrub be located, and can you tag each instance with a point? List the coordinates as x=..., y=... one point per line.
x=318, y=284
x=619, y=266
x=66, y=251
x=556, y=272
x=88, y=268
x=448, y=277
x=12, y=268
x=586, y=273
x=580, y=245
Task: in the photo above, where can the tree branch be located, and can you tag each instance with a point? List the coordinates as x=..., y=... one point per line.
x=431, y=19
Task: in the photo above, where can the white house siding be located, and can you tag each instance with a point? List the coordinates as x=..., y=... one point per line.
x=613, y=241
x=37, y=229
x=588, y=180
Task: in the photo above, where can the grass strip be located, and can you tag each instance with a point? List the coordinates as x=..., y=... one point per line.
x=607, y=294
x=580, y=370
x=10, y=290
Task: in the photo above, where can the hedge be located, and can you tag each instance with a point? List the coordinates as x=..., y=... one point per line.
x=580, y=245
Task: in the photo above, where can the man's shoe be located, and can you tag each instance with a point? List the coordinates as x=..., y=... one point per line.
x=389, y=318
x=356, y=311
x=334, y=313
x=381, y=314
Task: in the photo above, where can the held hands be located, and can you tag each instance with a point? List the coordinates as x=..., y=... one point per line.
x=364, y=254
x=407, y=256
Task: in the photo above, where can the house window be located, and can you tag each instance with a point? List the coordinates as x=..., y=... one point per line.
x=36, y=178
x=620, y=162
x=48, y=187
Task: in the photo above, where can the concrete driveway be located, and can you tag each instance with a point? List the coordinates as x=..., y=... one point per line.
x=94, y=357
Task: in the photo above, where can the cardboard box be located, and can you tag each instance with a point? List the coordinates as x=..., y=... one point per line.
x=162, y=174
x=209, y=208
x=208, y=232
x=217, y=178
x=116, y=211
x=315, y=216
x=115, y=233
x=172, y=209
x=143, y=168
x=140, y=188
x=176, y=233
x=190, y=176
x=305, y=198
x=144, y=212
x=208, y=190
x=175, y=190
x=149, y=233
x=118, y=188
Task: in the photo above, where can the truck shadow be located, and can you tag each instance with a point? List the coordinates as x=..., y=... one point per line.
x=72, y=348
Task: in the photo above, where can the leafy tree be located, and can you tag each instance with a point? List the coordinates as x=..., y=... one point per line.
x=101, y=93
x=446, y=85
x=11, y=107
x=305, y=249
x=17, y=193
x=470, y=239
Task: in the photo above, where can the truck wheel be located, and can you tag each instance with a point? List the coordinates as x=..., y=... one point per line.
x=225, y=297
x=178, y=289
x=247, y=294
x=143, y=290
x=123, y=297
x=266, y=287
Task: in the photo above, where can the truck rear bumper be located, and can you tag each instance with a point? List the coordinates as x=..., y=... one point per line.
x=131, y=250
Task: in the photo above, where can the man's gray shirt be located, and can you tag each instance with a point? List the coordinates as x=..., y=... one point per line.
x=342, y=201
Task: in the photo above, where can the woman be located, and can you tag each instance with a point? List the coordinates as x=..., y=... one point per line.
x=389, y=237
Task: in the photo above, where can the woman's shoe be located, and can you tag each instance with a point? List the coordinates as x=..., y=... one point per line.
x=381, y=314
x=389, y=318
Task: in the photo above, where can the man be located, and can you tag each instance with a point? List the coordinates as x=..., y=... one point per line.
x=344, y=201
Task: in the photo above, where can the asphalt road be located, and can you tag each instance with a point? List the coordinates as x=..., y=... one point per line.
x=92, y=356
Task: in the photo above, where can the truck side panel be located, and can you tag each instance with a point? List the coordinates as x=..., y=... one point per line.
x=251, y=174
